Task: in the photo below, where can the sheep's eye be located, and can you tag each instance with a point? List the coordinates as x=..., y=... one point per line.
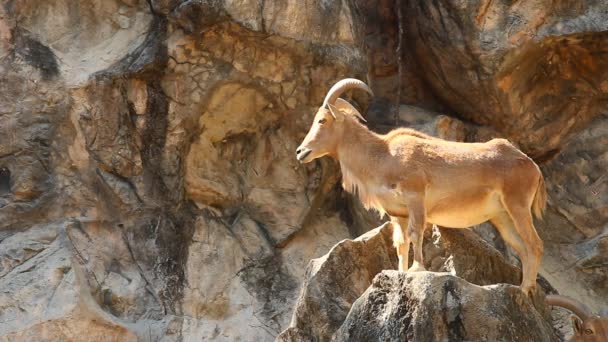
x=322, y=121
x=588, y=332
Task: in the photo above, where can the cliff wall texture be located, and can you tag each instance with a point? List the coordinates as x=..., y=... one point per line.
x=148, y=182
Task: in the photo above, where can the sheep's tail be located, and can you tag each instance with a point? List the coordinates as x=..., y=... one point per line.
x=540, y=198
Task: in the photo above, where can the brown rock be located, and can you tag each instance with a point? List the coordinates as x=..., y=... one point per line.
x=532, y=70
x=312, y=20
x=72, y=329
x=108, y=130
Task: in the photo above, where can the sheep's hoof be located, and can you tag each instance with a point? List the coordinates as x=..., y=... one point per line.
x=416, y=267
x=530, y=291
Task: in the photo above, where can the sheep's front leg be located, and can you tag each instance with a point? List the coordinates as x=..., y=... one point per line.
x=415, y=231
x=401, y=241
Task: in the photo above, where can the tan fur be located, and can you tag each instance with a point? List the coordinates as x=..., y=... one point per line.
x=592, y=329
x=587, y=326
x=418, y=179
x=540, y=199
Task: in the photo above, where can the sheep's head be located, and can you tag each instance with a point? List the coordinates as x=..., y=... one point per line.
x=587, y=327
x=326, y=129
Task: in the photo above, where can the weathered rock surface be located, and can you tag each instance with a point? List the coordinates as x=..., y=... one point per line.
x=148, y=188
x=534, y=70
x=40, y=278
x=334, y=281
x=165, y=165
x=429, y=306
x=576, y=229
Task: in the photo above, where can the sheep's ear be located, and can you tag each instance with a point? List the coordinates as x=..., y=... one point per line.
x=336, y=113
x=349, y=109
x=578, y=325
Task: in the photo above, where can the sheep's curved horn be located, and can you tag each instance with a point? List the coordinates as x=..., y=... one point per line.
x=579, y=309
x=341, y=86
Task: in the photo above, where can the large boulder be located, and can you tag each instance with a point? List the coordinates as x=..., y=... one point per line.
x=335, y=281
x=429, y=306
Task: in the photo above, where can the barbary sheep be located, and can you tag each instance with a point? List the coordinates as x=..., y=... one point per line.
x=418, y=179
x=587, y=326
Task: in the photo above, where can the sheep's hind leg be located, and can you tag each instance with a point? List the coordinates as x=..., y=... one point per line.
x=505, y=226
x=532, y=255
x=401, y=241
x=522, y=218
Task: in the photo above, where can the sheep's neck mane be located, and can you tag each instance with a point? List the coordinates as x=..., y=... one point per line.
x=359, y=152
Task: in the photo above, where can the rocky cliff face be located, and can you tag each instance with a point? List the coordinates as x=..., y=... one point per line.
x=148, y=185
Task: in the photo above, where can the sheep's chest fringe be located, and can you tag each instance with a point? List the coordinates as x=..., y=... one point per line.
x=367, y=195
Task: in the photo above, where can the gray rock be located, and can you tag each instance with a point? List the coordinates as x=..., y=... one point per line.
x=429, y=306
x=336, y=280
